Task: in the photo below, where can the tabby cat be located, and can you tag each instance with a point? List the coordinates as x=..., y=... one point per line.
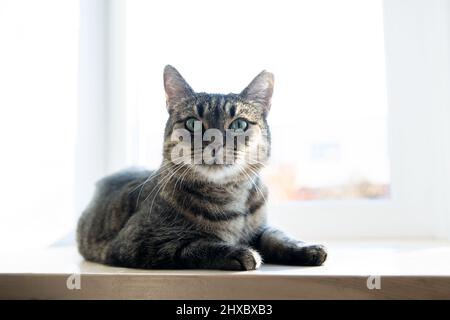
x=195, y=215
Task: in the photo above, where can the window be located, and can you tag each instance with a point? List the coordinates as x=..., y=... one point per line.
x=338, y=65
x=329, y=114
x=38, y=99
x=363, y=86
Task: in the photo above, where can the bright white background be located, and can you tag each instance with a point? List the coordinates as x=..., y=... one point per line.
x=329, y=110
x=38, y=120
x=81, y=95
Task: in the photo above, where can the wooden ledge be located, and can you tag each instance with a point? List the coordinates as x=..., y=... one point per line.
x=363, y=270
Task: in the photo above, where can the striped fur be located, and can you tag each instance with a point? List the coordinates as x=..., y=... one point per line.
x=193, y=216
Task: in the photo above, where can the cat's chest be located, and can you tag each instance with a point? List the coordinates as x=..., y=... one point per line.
x=237, y=202
x=241, y=229
x=227, y=218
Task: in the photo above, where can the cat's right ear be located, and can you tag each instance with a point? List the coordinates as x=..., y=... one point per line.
x=177, y=89
x=259, y=91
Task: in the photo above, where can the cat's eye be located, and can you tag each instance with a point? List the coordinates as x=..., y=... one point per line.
x=190, y=124
x=239, y=125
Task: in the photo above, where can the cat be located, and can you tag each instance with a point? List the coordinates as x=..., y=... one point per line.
x=185, y=215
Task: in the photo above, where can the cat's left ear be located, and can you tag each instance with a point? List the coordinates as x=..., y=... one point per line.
x=260, y=90
x=177, y=89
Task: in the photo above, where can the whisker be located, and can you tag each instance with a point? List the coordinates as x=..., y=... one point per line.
x=180, y=179
x=163, y=186
x=151, y=177
x=253, y=183
x=162, y=179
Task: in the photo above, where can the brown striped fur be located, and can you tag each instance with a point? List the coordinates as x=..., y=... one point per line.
x=193, y=216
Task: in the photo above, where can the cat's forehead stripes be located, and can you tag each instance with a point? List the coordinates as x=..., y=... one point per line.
x=200, y=108
x=215, y=106
x=218, y=111
x=230, y=108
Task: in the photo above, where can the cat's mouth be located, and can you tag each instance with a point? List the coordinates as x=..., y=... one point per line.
x=217, y=173
x=216, y=166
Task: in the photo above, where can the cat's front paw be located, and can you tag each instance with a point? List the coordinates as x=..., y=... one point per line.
x=310, y=254
x=243, y=259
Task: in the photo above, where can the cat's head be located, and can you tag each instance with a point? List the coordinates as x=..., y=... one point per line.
x=220, y=137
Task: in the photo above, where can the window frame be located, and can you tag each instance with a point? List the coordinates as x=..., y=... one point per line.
x=417, y=50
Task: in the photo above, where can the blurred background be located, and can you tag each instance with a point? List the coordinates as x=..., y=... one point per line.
x=359, y=114
x=329, y=108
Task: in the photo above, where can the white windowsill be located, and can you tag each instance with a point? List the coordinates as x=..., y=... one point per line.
x=408, y=269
